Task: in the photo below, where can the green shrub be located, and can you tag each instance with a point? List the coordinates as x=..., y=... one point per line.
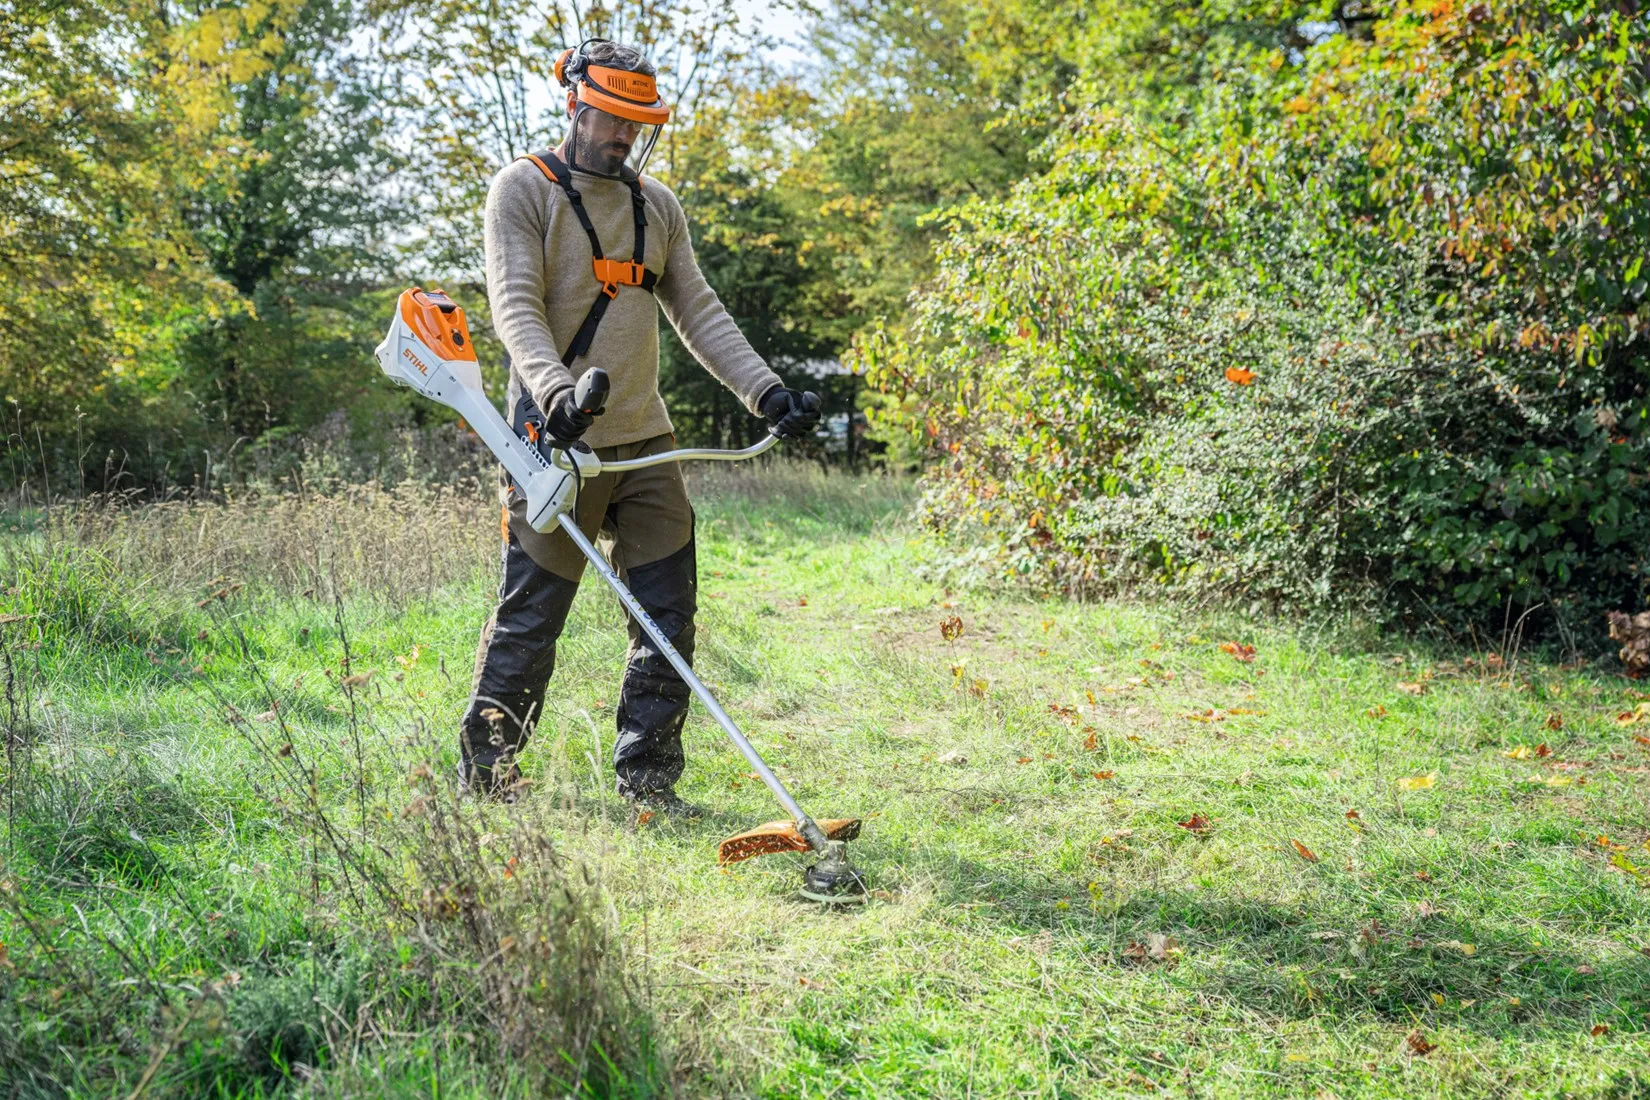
x=1313, y=344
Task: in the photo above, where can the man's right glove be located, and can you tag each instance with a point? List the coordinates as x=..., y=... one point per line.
x=566, y=422
x=791, y=414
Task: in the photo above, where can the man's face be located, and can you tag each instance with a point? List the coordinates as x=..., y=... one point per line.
x=604, y=140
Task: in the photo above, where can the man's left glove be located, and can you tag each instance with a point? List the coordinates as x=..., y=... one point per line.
x=791, y=414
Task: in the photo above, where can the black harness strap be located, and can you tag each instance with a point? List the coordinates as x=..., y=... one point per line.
x=609, y=273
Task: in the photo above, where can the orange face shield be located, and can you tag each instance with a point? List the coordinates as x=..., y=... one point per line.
x=616, y=116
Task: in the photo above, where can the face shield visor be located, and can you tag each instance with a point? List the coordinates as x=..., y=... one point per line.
x=617, y=116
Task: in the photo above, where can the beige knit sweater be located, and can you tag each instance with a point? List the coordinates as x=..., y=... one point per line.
x=541, y=285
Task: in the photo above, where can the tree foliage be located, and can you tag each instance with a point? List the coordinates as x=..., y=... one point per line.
x=1294, y=302
x=1363, y=325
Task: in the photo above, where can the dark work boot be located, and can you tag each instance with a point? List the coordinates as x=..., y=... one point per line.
x=500, y=782
x=653, y=701
x=514, y=659
x=664, y=802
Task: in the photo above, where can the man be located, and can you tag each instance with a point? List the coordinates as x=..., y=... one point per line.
x=561, y=305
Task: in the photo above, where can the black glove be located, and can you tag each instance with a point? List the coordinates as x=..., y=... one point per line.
x=791, y=414
x=566, y=422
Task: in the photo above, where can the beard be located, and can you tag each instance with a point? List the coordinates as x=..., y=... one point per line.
x=604, y=158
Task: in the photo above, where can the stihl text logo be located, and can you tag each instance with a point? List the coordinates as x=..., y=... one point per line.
x=415, y=361
x=630, y=85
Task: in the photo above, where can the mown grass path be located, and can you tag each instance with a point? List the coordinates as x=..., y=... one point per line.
x=1108, y=855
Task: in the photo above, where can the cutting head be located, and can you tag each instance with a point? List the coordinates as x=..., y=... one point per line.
x=831, y=881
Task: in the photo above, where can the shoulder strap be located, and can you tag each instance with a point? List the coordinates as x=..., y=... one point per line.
x=638, y=206
x=558, y=173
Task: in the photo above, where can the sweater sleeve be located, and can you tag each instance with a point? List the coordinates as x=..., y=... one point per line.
x=514, y=235
x=701, y=320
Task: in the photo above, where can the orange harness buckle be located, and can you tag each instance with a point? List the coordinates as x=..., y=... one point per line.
x=613, y=274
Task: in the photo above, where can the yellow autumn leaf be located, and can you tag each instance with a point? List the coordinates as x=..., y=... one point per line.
x=1468, y=949
x=1522, y=752
x=1419, y=782
x=1640, y=713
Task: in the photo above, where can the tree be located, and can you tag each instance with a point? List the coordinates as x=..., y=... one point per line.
x=299, y=228
x=1360, y=326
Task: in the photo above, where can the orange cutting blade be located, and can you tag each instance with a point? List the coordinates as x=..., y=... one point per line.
x=780, y=836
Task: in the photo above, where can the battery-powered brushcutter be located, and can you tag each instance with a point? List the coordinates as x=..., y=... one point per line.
x=429, y=349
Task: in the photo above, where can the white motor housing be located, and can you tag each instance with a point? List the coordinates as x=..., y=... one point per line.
x=429, y=349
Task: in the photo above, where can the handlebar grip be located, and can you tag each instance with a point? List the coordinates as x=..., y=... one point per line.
x=590, y=394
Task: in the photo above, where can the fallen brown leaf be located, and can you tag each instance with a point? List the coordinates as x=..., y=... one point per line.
x=951, y=628
x=1104, y=775
x=1303, y=851
x=1418, y=1044
x=1197, y=823
x=1599, y=1029
x=1412, y=688
x=1238, y=651
x=1555, y=721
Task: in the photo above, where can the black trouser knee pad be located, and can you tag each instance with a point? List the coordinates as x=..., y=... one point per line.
x=653, y=701
x=515, y=658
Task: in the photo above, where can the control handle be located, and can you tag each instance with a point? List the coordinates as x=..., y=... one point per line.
x=590, y=394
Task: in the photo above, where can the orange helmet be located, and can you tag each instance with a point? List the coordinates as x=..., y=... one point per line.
x=617, y=112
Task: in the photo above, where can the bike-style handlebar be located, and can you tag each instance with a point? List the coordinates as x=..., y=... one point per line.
x=589, y=466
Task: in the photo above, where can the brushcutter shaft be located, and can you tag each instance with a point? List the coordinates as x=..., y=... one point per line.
x=805, y=824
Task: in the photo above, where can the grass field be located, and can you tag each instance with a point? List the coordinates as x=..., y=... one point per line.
x=1109, y=856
